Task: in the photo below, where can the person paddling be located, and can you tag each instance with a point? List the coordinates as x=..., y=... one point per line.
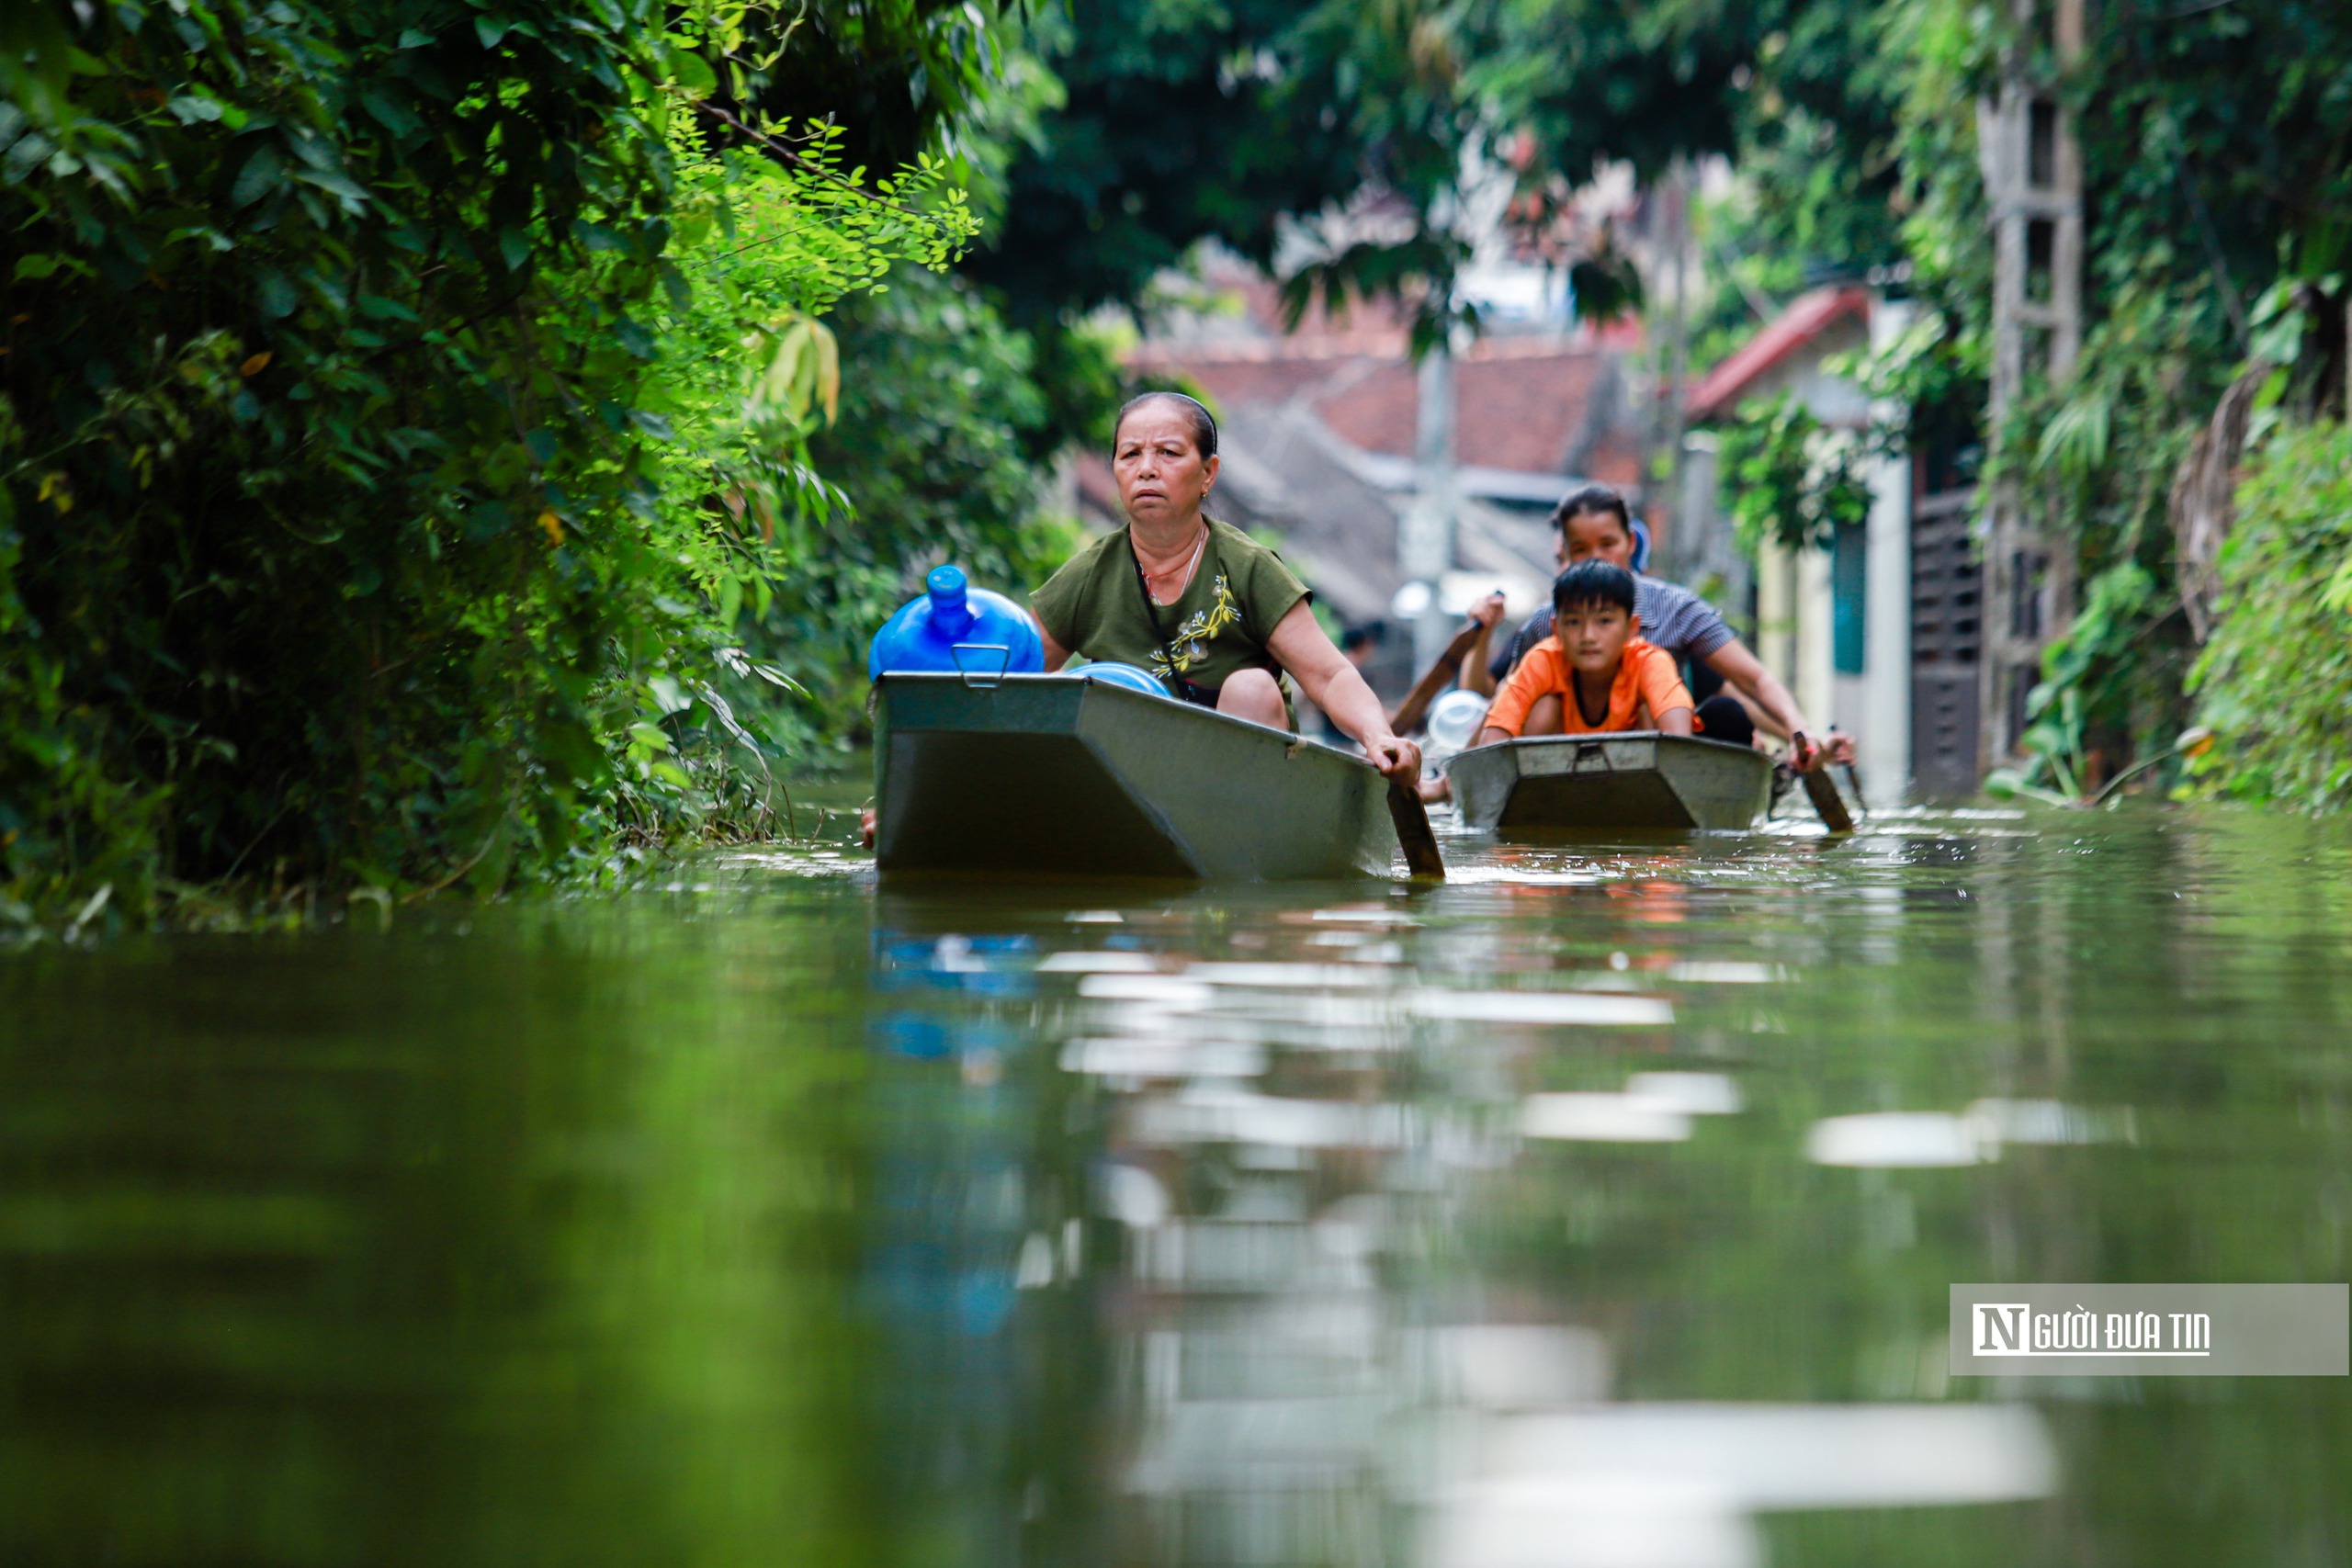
x=1217, y=615
x=1595, y=524
x=1594, y=671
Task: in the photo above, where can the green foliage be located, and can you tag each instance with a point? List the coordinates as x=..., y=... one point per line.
x=2219, y=228
x=1160, y=123
x=1181, y=122
x=1803, y=95
x=319, y=312
x=1641, y=80
x=1177, y=122
x=1794, y=481
x=348, y=515
x=2275, y=685
x=895, y=80
x=746, y=373
x=2207, y=178
x=2087, y=673
x=938, y=402
x=698, y=720
x=1818, y=137
x=1394, y=75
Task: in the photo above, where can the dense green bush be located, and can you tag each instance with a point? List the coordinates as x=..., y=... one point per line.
x=312, y=453
x=396, y=402
x=745, y=376
x=2274, y=683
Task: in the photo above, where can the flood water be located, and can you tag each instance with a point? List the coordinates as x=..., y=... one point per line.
x=1595, y=1211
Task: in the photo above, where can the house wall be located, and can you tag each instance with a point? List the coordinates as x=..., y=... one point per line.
x=1813, y=681
x=1796, y=597
x=1792, y=626
x=1882, y=719
x=1776, y=619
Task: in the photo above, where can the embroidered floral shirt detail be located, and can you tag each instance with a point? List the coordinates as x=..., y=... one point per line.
x=1190, y=641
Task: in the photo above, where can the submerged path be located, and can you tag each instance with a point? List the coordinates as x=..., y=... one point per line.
x=1596, y=1208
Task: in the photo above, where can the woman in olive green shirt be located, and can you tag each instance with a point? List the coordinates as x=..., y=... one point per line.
x=1214, y=614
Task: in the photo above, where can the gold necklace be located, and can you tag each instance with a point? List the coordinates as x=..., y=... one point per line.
x=1191, y=562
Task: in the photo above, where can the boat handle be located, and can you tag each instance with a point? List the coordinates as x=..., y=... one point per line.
x=982, y=679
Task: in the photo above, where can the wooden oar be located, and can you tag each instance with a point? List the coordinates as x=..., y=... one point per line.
x=1441, y=674
x=1412, y=819
x=1826, y=801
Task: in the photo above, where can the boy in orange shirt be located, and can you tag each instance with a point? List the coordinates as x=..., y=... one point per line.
x=1594, y=672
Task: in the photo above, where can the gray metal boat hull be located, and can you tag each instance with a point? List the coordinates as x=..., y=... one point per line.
x=1058, y=775
x=1634, y=780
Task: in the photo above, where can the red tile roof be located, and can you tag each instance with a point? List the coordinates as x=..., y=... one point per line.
x=1529, y=404
x=1804, y=321
x=1520, y=404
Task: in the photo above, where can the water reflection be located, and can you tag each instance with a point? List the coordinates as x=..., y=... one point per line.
x=1894, y=1139
x=1653, y=1108
x=1300, y=1401
x=1595, y=1210
x=1647, y=1485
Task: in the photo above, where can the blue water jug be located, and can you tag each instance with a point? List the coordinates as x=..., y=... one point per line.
x=954, y=627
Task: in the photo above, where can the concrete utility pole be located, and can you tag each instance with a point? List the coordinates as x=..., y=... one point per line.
x=2033, y=176
x=1678, y=547
x=1425, y=542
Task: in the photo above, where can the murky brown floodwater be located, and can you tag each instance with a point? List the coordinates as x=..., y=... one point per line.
x=1594, y=1211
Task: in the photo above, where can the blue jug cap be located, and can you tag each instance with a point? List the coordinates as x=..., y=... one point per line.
x=949, y=612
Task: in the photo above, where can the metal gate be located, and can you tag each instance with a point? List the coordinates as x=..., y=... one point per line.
x=1947, y=640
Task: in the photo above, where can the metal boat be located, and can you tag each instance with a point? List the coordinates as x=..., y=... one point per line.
x=1637, y=779
x=1063, y=775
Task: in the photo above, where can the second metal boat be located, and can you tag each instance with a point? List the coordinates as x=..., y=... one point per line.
x=1639, y=780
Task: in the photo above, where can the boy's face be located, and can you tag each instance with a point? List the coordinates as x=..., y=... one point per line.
x=1594, y=635
x=1595, y=535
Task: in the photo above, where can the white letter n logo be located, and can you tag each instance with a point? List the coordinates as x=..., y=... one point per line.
x=2000, y=1328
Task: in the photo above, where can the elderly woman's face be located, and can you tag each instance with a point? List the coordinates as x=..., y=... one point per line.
x=1162, y=476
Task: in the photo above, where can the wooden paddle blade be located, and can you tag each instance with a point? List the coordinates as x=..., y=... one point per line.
x=1412, y=819
x=1826, y=801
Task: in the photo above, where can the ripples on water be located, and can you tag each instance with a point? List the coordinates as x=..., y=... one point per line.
x=1595, y=1211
